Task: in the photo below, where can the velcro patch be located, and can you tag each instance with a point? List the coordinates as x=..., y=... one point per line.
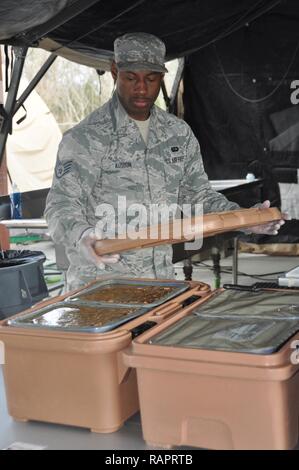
x=178, y=159
x=62, y=169
x=123, y=165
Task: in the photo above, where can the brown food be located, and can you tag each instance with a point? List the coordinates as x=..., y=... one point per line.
x=81, y=316
x=128, y=294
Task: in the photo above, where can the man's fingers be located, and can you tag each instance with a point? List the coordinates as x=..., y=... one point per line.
x=86, y=249
x=271, y=228
x=110, y=259
x=102, y=260
x=286, y=216
x=100, y=265
x=266, y=204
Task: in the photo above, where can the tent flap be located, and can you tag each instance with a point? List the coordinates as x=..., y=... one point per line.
x=18, y=17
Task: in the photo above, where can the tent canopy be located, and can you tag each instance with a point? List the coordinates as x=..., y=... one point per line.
x=84, y=30
x=242, y=59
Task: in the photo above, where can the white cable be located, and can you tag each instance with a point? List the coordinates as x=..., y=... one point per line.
x=258, y=100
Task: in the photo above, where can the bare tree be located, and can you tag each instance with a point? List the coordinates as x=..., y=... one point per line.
x=71, y=91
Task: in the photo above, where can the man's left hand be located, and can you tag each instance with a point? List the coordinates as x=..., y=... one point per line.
x=271, y=228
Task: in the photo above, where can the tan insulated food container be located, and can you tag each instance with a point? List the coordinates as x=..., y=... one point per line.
x=214, y=398
x=73, y=377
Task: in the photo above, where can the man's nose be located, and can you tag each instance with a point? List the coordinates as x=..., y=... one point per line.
x=141, y=86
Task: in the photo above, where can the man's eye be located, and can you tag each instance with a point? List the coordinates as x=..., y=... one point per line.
x=152, y=79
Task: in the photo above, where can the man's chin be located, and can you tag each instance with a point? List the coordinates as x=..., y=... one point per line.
x=140, y=113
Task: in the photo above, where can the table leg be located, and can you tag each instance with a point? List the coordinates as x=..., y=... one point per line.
x=235, y=261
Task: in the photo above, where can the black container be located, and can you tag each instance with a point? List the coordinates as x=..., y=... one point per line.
x=21, y=280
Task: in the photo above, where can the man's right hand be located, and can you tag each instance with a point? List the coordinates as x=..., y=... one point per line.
x=86, y=250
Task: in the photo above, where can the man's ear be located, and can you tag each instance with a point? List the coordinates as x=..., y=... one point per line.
x=114, y=71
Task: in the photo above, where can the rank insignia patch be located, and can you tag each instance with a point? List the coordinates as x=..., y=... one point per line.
x=62, y=169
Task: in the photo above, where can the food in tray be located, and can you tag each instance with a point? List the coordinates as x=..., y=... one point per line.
x=80, y=316
x=129, y=294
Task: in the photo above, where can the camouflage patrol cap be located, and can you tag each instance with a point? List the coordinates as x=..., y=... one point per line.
x=140, y=51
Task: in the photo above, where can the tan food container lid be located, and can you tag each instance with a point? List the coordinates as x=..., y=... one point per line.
x=206, y=226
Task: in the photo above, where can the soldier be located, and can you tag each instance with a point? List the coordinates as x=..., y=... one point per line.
x=129, y=148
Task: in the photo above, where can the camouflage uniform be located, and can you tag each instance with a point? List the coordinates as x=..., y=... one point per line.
x=105, y=156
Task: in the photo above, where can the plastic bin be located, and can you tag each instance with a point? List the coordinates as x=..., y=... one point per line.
x=78, y=378
x=21, y=279
x=215, y=399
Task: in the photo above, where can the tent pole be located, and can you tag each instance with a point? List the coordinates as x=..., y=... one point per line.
x=176, y=84
x=36, y=79
x=3, y=167
x=165, y=95
x=20, y=54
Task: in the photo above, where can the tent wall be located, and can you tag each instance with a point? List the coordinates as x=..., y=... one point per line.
x=240, y=103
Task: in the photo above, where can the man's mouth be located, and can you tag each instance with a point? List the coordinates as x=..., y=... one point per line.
x=141, y=102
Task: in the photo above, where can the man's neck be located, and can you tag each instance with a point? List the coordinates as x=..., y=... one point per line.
x=143, y=127
x=139, y=118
